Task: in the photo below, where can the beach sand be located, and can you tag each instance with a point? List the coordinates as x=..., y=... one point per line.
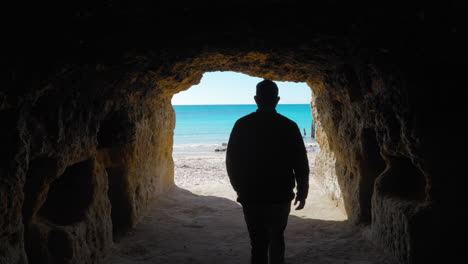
x=200, y=222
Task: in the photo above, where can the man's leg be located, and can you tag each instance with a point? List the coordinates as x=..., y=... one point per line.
x=278, y=220
x=254, y=215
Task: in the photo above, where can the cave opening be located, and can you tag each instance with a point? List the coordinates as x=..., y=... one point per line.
x=202, y=206
x=235, y=90
x=205, y=114
x=137, y=148
x=200, y=214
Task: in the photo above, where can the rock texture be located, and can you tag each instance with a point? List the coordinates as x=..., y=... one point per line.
x=87, y=121
x=324, y=170
x=60, y=213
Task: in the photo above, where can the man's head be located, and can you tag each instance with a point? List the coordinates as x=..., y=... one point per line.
x=267, y=94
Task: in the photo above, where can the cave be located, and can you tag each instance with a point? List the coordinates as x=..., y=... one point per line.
x=87, y=121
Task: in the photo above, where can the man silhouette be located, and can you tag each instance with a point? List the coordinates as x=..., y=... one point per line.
x=265, y=158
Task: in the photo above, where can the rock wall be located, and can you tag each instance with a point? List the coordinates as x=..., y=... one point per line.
x=350, y=146
x=135, y=147
x=88, y=106
x=324, y=170
x=60, y=216
x=84, y=166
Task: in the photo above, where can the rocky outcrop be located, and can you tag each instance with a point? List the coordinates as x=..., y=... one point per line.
x=87, y=122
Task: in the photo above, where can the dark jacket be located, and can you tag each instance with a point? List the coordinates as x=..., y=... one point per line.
x=265, y=157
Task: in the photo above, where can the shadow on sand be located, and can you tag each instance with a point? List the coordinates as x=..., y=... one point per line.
x=183, y=227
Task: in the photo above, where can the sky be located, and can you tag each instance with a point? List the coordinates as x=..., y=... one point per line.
x=237, y=88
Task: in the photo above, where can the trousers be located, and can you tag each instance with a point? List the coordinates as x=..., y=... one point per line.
x=266, y=224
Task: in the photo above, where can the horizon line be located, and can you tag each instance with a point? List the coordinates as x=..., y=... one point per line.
x=232, y=104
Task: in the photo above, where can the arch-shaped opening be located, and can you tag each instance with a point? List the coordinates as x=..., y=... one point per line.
x=203, y=168
x=206, y=113
x=70, y=196
x=114, y=135
x=402, y=180
x=372, y=165
x=336, y=102
x=135, y=139
x=341, y=96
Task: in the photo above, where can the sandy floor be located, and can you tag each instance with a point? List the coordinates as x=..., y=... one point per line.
x=200, y=222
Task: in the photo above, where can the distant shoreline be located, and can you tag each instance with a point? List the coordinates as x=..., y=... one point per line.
x=207, y=148
x=212, y=124
x=229, y=104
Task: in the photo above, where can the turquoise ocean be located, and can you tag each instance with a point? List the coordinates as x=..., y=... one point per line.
x=203, y=128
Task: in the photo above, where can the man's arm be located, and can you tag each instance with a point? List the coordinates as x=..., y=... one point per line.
x=301, y=168
x=232, y=157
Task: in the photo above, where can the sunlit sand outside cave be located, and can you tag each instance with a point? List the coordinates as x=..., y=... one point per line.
x=199, y=221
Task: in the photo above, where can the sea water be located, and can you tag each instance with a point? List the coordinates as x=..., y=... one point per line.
x=204, y=128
